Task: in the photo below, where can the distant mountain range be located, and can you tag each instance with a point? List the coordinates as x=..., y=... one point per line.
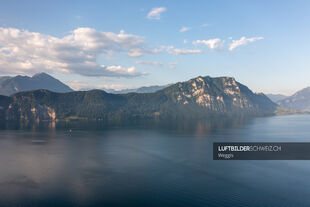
x=10, y=85
x=144, y=89
x=299, y=101
x=276, y=97
x=201, y=97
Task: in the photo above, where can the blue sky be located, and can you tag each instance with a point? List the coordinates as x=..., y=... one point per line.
x=80, y=43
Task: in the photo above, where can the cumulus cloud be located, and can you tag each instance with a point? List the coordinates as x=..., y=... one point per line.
x=178, y=51
x=215, y=43
x=24, y=52
x=123, y=71
x=184, y=29
x=243, y=41
x=155, y=13
x=151, y=63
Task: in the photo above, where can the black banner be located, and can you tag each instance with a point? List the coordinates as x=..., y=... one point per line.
x=261, y=151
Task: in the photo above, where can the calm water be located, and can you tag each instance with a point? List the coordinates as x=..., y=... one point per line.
x=151, y=166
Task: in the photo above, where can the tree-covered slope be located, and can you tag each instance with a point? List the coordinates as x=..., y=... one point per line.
x=201, y=97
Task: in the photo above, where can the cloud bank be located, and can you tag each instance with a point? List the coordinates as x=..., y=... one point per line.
x=24, y=52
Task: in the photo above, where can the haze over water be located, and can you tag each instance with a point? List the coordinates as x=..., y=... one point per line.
x=151, y=166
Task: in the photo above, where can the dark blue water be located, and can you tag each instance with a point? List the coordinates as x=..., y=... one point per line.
x=151, y=166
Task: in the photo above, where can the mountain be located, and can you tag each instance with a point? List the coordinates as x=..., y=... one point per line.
x=144, y=89
x=11, y=85
x=298, y=101
x=3, y=78
x=198, y=98
x=276, y=97
x=150, y=89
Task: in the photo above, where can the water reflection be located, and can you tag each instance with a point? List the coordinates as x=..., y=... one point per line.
x=147, y=164
x=197, y=126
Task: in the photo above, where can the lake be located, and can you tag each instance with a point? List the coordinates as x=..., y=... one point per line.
x=152, y=165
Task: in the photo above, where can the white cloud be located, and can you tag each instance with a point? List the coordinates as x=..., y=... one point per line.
x=184, y=29
x=177, y=51
x=138, y=52
x=185, y=41
x=173, y=65
x=156, y=12
x=152, y=63
x=24, y=52
x=215, y=43
x=243, y=41
x=122, y=71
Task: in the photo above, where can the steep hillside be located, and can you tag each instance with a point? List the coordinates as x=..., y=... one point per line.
x=299, y=101
x=201, y=97
x=11, y=85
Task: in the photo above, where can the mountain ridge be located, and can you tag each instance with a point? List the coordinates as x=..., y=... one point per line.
x=10, y=85
x=298, y=101
x=201, y=97
x=276, y=97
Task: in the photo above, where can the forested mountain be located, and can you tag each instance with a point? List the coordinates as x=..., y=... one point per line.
x=201, y=97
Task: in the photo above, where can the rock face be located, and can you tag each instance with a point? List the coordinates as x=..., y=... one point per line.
x=299, y=101
x=201, y=97
x=223, y=94
x=11, y=85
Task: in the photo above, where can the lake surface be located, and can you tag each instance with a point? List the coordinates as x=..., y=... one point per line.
x=151, y=166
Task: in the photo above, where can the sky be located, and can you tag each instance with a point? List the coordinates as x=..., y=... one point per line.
x=120, y=44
